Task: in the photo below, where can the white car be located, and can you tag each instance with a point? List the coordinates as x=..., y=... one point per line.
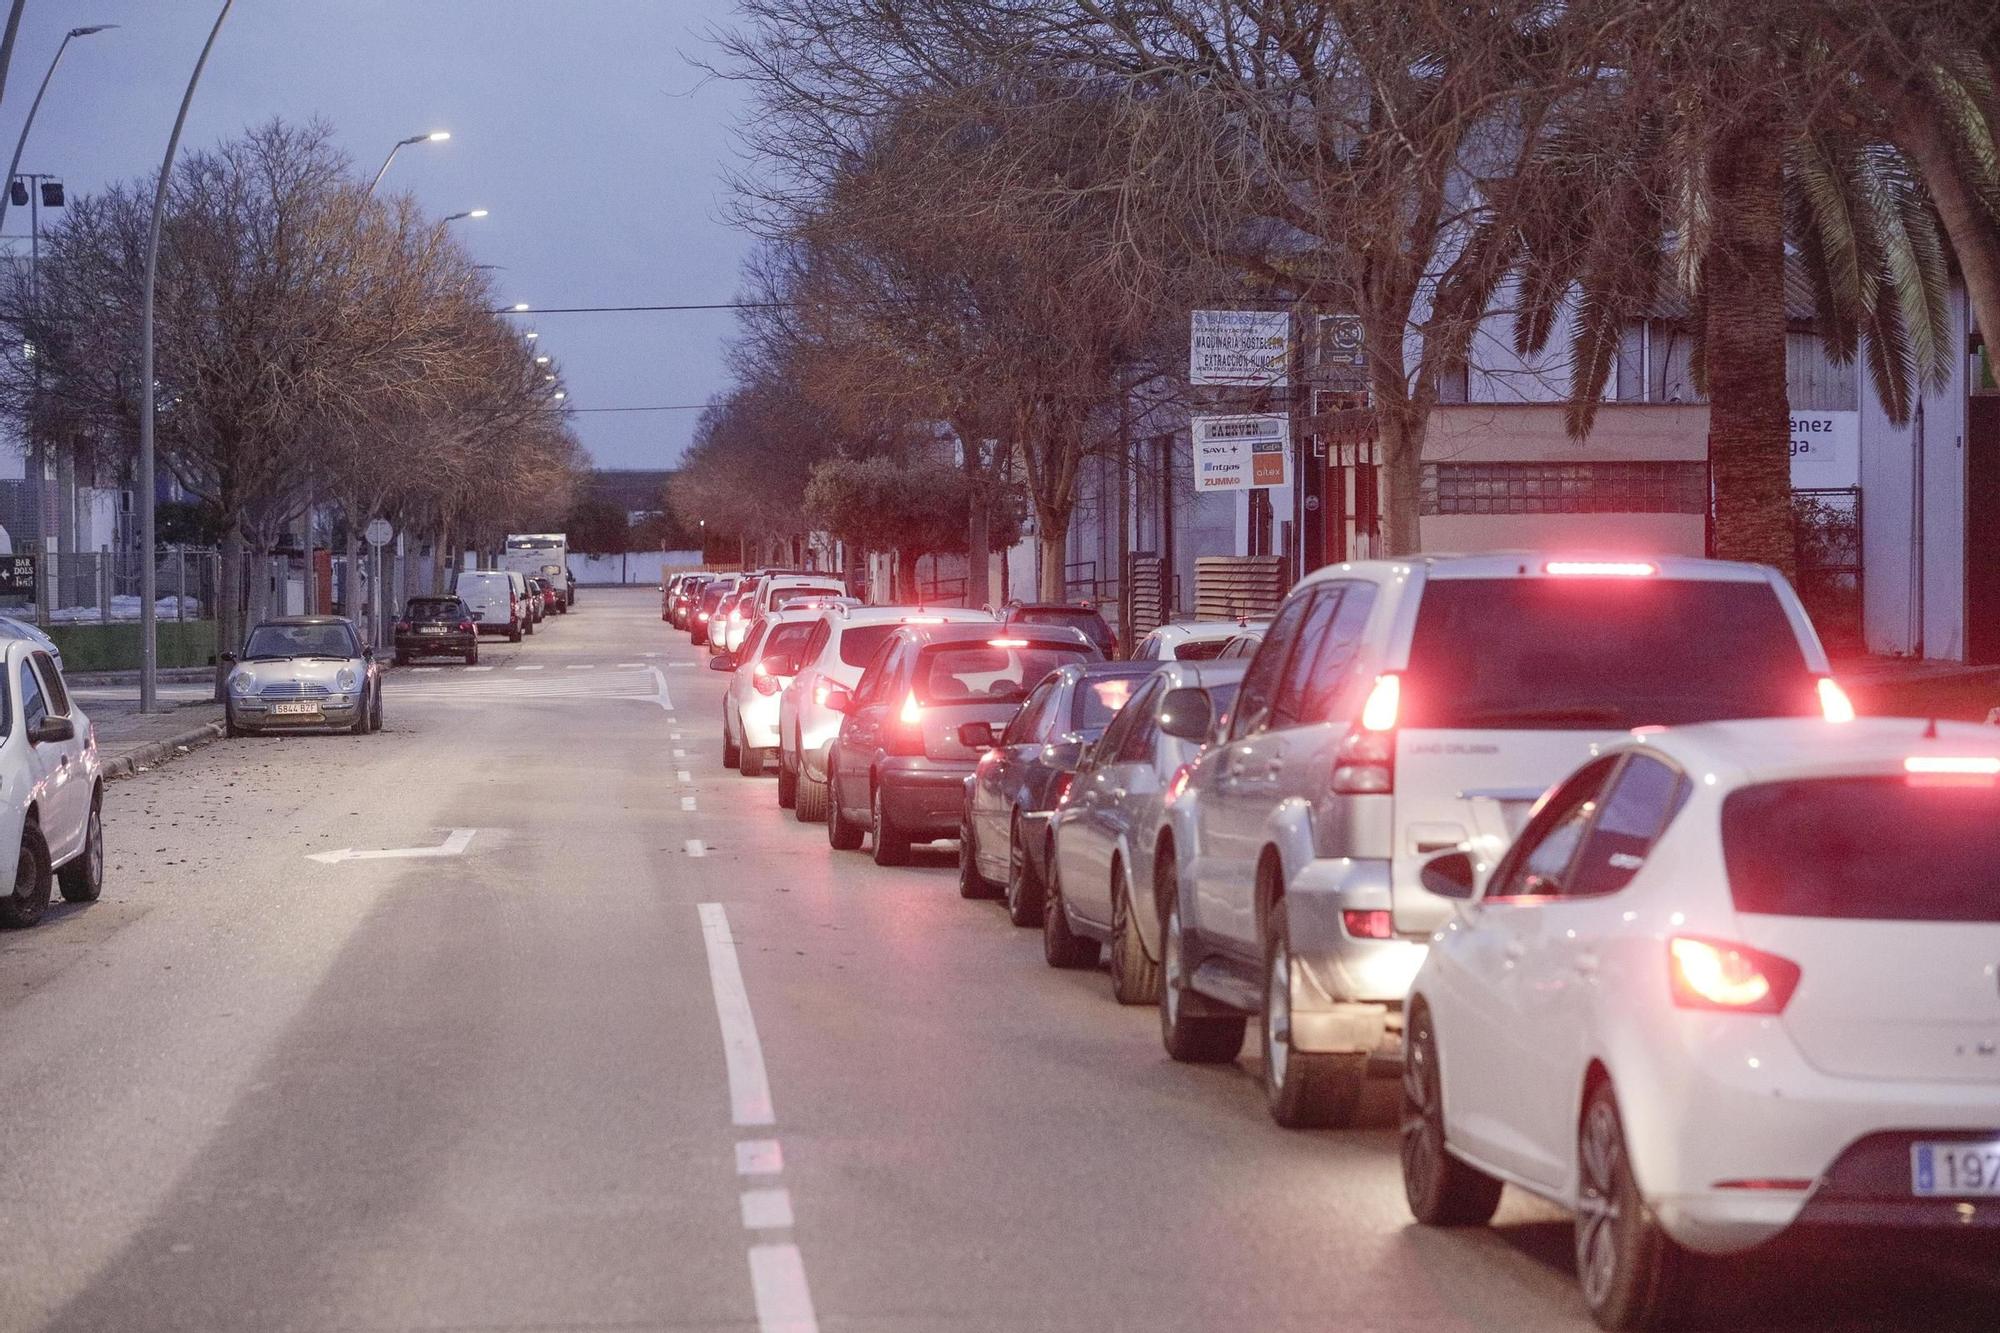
x=51, y=787
x=1192, y=640
x=1730, y=978
x=770, y=657
x=32, y=633
x=781, y=590
x=840, y=646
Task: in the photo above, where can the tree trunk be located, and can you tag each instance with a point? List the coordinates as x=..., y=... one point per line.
x=978, y=529
x=906, y=589
x=1743, y=278
x=350, y=599
x=1054, y=541
x=1401, y=436
x=228, y=603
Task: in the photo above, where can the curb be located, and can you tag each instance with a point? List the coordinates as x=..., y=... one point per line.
x=154, y=752
x=168, y=675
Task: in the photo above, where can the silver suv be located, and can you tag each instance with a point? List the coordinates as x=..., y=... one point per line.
x=1396, y=712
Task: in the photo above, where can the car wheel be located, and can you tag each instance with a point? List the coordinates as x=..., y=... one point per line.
x=375, y=709
x=1024, y=885
x=401, y=659
x=1135, y=978
x=360, y=725
x=892, y=845
x=32, y=881
x=971, y=884
x=1442, y=1191
x=730, y=757
x=842, y=834
x=1305, y=1089
x=472, y=655
x=82, y=880
x=528, y=625
x=1061, y=946
x=229, y=725
x=749, y=761
x=513, y=631
x=811, y=806
x=788, y=786
x=1626, y=1265
x=1194, y=1039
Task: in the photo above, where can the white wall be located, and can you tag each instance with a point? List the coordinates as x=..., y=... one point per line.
x=631, y=567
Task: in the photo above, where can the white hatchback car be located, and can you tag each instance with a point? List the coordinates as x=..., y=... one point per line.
x=772, y=650
x=1729, y=978
x=846, y=637
x=53, y=786
x=1191, y=640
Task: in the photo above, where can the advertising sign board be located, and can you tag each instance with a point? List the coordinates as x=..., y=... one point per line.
x=1241, y=453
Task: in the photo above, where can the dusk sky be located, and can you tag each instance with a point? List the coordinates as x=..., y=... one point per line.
x=599, y=149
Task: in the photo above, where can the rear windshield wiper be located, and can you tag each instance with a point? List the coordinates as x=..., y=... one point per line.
x=1487, y=717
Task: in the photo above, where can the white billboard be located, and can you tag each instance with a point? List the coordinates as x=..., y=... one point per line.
x=1244, y=348
x=1826, y=450
x=1241, y=453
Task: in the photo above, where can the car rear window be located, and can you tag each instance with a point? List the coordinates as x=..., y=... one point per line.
x=951, y=673
x=783, y=597
x=1864, y=848
x=437, y=608
x=787, y=639
x=859, y=642
x=1097, y=699
x=1089, y=621
x=1596, y=653
x=1200, y=650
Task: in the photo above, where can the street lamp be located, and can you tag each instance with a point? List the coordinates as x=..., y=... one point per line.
x=541, y=361
x=435, y=136
x=469, y=213
x=520, y=306
x=531, y=335
x=22, y=142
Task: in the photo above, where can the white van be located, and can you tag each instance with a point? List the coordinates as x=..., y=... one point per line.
x=498, y=600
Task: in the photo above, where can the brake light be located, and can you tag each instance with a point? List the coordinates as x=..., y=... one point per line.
x=1179, y=782
x=913, y=712
x=1729, y=978
x=1385, y=701
x=819, y=694
x=702, y=616
x=402, y=627
x=1601, y=569
x=1952, y=770
x=764, y=682
x=1833, y=701
x=466, y=627
x=736, y=616
x=1061, y=788
x=1006, y=643
x=1367, y=925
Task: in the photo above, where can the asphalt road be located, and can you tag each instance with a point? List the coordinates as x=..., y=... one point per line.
x=645, y=1054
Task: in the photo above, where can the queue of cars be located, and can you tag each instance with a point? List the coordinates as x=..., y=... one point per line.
x=1594, y=853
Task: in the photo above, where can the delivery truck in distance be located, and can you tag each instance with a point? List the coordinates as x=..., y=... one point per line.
x=544, y=554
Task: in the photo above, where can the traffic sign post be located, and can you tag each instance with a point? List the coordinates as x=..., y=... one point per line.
x=379, y=534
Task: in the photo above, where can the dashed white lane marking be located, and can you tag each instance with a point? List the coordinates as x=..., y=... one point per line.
x=680, y=754
x=479, y=668
x=641, y=666
x=695, y=847
x=687, y=802
x=527, y=668
x=778, y=1278
x=685, y=776
x=675, y=735
x=743, y=1054
x=759, y=1157
x=426, y=669
x=766, y=1209
x=581, y=666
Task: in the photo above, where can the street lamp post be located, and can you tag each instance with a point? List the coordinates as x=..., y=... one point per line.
x=469, y=213
x=149, y=644
x=34, y=106
x=435, y=136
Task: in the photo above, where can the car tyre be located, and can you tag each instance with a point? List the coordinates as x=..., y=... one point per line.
x=842, y=834
x=1061, y=946
x=359, y=727
x=731, y=756
x=749, y=761
x=401, y=659
x=1304, y=1089
x=1024, y=886
x=1627, y=1266
x=891, y=844
x=513, y=631
x=971, y=884
x=230, y=727
x=811, y=805
x=788, y=786
x=1442, y=1191
x=375, y=709
x=82, y=880
x=1194, y=1039
x=1135, y=978
x=32, y=881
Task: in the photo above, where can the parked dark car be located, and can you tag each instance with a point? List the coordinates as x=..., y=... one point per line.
x=1025, y=771
x=1077, y=615
x=437, y=627
x=897, y=770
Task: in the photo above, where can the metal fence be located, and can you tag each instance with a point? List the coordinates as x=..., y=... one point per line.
x=1827, y=528
x=100, y=587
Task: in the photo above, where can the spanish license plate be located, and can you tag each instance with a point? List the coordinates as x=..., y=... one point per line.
x=431, y=629
x=1955, y=1170
x=297, y=708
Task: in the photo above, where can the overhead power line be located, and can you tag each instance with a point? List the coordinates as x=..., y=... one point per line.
x=669, y=407
x=622, y=309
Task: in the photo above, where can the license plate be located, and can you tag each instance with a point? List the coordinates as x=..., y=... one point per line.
x=1955, y=1170
x=431, y=629
x=300, y=708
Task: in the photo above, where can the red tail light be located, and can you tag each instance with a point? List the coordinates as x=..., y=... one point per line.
x=1367, y=925
x=1728, y=978
x=913, y=712
x=402, y=627
x=1178, y=783
x=1060, y=788
x=907, y=737
x=1833, y=701
x=763, y=681
x=466, y=627
x=1366, y=761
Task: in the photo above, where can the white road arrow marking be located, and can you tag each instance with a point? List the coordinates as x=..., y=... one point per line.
x=455, y=845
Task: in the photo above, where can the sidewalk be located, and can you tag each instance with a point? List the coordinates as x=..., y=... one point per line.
x=130, y=741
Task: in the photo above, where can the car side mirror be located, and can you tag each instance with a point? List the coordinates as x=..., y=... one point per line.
x=367, y=654
x=977, y=735
x=1449, y=876
x=227, y=659
x=722, y=662
x=839, y=700
x=52, y=729
x=1187, y=713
